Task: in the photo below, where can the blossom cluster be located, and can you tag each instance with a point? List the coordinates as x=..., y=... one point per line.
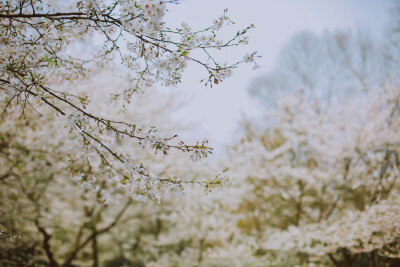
x=200, y=151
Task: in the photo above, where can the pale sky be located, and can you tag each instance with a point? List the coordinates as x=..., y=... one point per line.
x=217, y=110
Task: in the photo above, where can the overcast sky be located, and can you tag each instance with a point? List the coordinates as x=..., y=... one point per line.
x=217, y=110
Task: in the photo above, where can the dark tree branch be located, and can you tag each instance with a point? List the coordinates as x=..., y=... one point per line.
x=46, y=244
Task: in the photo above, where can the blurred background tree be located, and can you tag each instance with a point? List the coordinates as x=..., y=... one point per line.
x=331, y=67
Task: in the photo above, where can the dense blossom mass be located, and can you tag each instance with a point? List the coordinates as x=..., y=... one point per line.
x=323, y=187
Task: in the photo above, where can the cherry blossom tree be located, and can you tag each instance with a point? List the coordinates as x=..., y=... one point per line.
x=51, y=48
